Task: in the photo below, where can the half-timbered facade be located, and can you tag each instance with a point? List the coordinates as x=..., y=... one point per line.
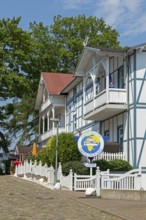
x=106, y=94
x=114, y=87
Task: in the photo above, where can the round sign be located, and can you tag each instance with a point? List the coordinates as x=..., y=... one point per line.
x=90, y=143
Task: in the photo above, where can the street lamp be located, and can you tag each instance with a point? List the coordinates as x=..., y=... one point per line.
x=56, y=155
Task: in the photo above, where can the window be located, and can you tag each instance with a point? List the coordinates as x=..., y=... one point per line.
x=111, y=81
x=75, y=123
x=74, y=98
x=106, y=133
x=97, y=85
x=89, y=90
x=121, y=83
x=120, y=137
x=46, y=124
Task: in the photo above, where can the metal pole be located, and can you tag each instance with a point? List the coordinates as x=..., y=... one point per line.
x=56, y=156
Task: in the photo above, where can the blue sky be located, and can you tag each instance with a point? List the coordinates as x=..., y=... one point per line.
x=128, y=17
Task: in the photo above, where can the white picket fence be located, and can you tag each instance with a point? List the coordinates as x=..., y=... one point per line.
x=110, y=156
x=82, y=182
x=132, y=180
x=38, y=171
x=34, y=171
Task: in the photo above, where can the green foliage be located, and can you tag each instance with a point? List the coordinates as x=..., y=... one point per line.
x=69, y=33
x=76, y=166
x=51, y=149
x=43, y=156
x=102, y=164
x=7, y=166
x=119, y=165
x=67, y=149
x=1, y=171
x=113, y=165
x=30, y=158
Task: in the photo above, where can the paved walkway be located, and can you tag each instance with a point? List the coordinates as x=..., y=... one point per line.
x=130, y=210
x=24, y=200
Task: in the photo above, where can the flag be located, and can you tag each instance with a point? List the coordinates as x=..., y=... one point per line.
x=111, y=85
x=34, y=150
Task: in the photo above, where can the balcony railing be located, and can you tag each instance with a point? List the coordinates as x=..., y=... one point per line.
x=113, y=98
x=49, y=133
x=45, y=104
x=59, y=101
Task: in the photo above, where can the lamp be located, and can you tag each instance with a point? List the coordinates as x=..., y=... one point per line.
x=56, y=154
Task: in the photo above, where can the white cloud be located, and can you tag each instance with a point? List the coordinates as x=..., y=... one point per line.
x=73, y=4
x=124, y=15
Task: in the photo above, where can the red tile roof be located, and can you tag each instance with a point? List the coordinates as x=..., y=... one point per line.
x=56, y=82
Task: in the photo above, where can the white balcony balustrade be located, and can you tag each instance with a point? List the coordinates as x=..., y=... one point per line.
x=56, y=101
x=49, y=133
x=106, y=104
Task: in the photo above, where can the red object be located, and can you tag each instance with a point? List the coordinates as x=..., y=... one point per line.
x=17, y=162
x=56, y=82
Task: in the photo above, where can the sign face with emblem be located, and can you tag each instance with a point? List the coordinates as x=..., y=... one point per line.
x=90, y=144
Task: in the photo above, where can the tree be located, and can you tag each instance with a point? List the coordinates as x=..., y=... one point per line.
x=71, y=33
x=25, y=54
x=15, y=47
x=67, y=149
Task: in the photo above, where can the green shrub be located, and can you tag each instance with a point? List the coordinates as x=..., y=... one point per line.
x=102, y=164
x=43, y=157
x=119, y=165
x=67, y=149
x=113, y=165
x=76, y=166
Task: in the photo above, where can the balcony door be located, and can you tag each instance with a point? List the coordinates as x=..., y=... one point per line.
x=120, y=137
x=121, y=82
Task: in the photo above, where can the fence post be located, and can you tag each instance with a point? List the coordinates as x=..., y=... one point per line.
x=51, y=175
x=71, y=180
x=31, y=168
x=75, y=177
x=98, y=187
x=59, y=171
x=24, y=169
x=40, y=168
x=16, y=171
x=45, y=170
x=60, y=177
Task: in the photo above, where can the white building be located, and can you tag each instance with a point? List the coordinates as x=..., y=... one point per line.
x=107, y=94
x=51, y=104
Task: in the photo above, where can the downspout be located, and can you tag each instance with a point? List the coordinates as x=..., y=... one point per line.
x=128, y=114
x=107, y=80
x=135, y=124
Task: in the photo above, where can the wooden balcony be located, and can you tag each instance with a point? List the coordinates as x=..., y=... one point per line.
x=48, y=134
x=106, y=104
x=53, y=100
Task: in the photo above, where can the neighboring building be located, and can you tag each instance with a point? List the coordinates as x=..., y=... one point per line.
x=107, y=94
x=51, y=104
x=22, y=151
